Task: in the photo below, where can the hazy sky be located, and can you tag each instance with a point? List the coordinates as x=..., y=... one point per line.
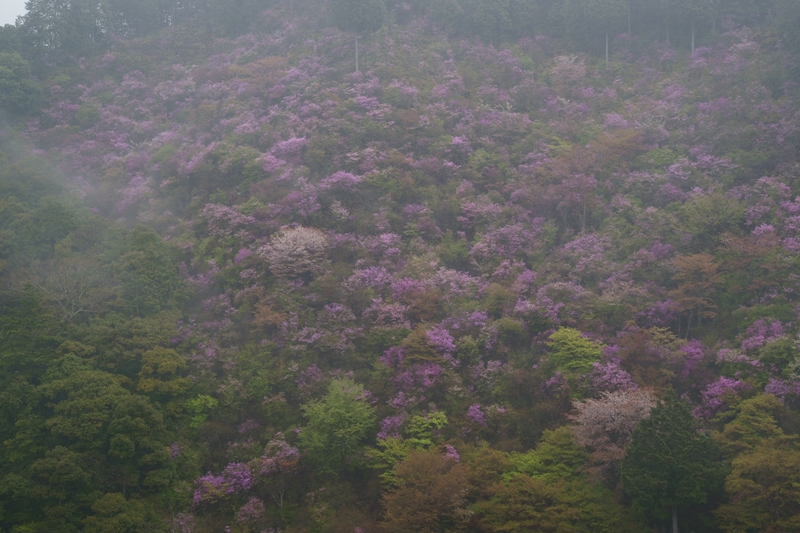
x=10, y=10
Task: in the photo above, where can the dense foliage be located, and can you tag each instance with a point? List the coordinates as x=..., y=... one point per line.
x=495, y=280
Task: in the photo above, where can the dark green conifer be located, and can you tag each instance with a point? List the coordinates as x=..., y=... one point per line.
x=670, y=464
x=358, y=16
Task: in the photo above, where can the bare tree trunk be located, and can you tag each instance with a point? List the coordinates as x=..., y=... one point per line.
x=356, y=53
x=692, y=34
x=667, y=23
x=674, y=519
x=606, y=50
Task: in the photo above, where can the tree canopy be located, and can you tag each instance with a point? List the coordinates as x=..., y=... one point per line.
x=496, y=280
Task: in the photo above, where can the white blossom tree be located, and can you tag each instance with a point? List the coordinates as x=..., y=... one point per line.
x=293, y=252
x=605, y=425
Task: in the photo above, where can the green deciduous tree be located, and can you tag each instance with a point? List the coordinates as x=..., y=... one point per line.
x=763, y=490
x=18, y=90
x=79, y=433
x=114, y=514
x=161, y=372
x=337, y=426
x=60, y=487
x=199, y=408
x=93, y=414
x=420, y=435
x=149, y=274
x=26, y=339
x=47, y=225
x=669, y=464
x=697, y=276
x=708, y=216
x=753, y=423
x=763, y=487
x=557, y=457
x=10, y=39
x=83, y=400
x=571, y=352
x=549, y=491
x=525, y=504
x=422, y=429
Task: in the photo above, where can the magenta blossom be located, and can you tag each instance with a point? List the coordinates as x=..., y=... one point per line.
x=476, y=415
x=451, y=453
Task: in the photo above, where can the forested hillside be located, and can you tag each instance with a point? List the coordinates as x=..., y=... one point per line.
x=519, y=267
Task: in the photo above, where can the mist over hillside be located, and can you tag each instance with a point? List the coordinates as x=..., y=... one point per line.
x=434, y=266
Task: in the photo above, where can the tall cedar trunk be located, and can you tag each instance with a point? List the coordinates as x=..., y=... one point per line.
x=688, y=323
x=356, y=53
x=280, y=507
x=583, y=218
x=674, y=519
x=606, y=50
x=629, y=18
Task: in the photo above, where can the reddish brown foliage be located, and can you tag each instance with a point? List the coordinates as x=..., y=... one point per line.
x=430, y=496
